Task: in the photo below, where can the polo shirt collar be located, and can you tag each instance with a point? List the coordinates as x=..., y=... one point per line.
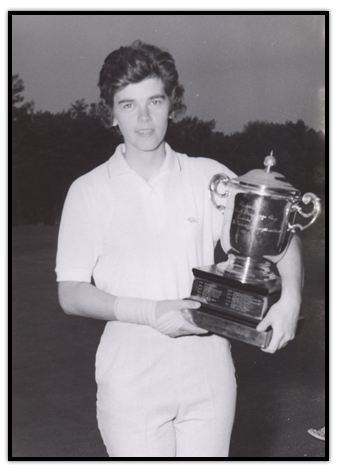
x=117, y=164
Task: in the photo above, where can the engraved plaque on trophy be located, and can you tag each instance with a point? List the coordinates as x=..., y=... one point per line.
x=259, y=221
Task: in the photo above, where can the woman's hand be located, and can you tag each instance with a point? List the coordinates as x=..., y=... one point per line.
x=173, y=318
x=282, y=318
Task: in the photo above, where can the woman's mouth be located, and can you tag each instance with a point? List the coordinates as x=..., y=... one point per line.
x=145, y=132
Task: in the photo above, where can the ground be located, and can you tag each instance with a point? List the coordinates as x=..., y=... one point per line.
x=280, y=396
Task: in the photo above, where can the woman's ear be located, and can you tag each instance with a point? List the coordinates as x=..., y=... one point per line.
x=114, y=122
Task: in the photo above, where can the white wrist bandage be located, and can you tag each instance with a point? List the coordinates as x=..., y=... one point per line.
x=169, y=321
x=135, y=310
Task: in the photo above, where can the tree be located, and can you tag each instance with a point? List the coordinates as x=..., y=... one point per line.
x=25, y=109
x=21, y=132
x=17, y=88
x=79, y=109
x=51, y=150
x=190, y=135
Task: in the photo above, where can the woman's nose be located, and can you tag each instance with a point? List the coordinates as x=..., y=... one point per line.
x=144, y=114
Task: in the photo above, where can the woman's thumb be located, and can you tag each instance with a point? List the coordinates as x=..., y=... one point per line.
x=190, y=304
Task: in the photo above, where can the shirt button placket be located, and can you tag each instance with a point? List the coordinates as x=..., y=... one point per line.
x=155, y=213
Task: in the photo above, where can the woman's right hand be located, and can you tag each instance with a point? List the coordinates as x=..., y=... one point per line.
x=173, y=318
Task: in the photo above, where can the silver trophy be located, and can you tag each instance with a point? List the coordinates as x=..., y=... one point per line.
x=259, y=221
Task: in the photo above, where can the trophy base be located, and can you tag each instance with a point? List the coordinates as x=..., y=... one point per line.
x=232, y=308
x=230, y=329
x=244, y=300
x=235, y=329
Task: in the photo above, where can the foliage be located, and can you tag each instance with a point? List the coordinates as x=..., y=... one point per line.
x=51, y=150
x=190, y=135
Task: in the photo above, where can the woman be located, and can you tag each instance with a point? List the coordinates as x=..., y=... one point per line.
x=138, y=224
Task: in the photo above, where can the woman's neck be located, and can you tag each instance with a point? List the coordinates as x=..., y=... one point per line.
x=145, y=163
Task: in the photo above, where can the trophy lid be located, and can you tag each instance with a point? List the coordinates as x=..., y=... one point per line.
x=266, y=178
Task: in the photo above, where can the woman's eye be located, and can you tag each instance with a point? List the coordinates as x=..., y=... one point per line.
x=127, y=106
x=156, y=102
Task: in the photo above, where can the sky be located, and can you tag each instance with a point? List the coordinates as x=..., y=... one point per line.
x=235, y=68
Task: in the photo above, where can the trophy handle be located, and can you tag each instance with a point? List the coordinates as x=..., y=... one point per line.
x=306, y=199
x=213, y=189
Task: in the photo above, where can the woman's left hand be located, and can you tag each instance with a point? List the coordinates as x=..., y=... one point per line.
x=282, y=318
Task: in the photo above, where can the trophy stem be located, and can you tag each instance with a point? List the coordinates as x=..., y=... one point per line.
x=246, y=269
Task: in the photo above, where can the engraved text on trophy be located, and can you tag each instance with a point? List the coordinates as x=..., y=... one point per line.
x=258, y=225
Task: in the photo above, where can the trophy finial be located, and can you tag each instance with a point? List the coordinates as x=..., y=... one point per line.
x=269, y=161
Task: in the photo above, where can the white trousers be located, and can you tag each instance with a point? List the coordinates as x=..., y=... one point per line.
x=163, y=397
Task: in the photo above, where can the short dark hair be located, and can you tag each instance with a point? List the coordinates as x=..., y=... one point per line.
x=132, y=64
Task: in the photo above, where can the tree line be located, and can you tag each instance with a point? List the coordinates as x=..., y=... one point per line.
x=50, y=150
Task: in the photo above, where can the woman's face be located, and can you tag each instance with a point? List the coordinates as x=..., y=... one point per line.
x=141, y=111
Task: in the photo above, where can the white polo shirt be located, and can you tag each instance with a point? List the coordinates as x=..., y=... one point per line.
x=140, y=238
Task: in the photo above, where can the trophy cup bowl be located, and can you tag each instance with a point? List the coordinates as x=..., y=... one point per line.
x=259, y=221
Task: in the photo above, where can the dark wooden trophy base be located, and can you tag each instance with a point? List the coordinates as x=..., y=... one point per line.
x=231, y=308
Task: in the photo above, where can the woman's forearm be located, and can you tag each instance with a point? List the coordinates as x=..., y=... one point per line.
x=168, y=317
x=291, y=270
x=82, y=298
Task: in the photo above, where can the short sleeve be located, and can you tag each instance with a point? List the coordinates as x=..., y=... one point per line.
x=77, y=241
